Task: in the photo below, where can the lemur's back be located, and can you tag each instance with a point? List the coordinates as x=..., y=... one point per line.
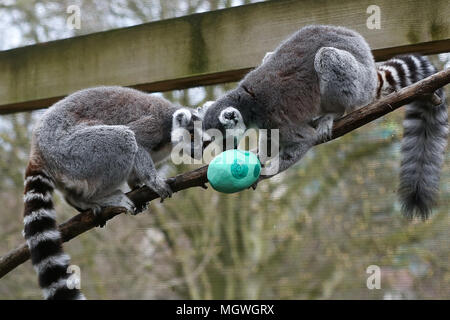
x=104, y=105
x=288, y=78
x=96, y=106
x=101, y=106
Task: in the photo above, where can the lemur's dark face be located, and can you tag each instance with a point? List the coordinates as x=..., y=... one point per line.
x=224, y=116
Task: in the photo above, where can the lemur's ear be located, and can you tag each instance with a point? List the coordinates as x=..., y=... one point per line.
x=182, y=117
x=267, y=56
x=201, y=110
x=196, y=117
x=230, y=117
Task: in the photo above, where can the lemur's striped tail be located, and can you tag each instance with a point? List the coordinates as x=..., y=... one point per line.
x=424, y=138
x=43, y=237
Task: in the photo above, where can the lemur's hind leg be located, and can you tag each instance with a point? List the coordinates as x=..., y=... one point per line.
x=345, y=83
x=115, y=199
x=101, y=158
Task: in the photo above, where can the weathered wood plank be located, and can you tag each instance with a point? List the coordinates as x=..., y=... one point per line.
x=202, y=49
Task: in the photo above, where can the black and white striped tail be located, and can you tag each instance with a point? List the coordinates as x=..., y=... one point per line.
x=425, y=134
x=44, y=239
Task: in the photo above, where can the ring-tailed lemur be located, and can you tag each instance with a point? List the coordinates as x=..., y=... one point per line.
x=319, y=72
x=87, y=145
x=425, y=134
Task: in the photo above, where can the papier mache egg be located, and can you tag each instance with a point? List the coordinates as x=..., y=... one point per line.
x=233, y=171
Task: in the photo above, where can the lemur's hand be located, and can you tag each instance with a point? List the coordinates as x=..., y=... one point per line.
x=160, y=186
x=324, y=127
x=261, y=178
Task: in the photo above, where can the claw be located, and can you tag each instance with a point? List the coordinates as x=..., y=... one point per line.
x=133, y=211
x=435, y=99
x=98, y=219
x=254, y=185
x=101, y=223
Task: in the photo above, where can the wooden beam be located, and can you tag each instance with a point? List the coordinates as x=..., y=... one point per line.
x=208, y=48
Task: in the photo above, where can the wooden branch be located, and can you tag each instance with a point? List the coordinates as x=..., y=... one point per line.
x=197, y=178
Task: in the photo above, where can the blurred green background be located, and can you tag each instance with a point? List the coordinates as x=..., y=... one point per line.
x=308, y=233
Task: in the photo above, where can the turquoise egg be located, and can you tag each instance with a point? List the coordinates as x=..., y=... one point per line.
x=233, y=171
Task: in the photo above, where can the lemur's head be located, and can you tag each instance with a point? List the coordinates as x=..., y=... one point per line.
x=223, y=115
x=187, y=129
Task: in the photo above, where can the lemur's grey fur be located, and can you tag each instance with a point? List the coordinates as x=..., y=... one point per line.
x=87, y=145
x=320, y=71
x=98, y=138
x=425, y=134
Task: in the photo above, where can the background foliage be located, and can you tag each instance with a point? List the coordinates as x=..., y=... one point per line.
x=309, y=233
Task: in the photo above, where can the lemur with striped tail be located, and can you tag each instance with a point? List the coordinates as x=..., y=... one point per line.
x=424, y=137
x=87, y=146
x=317, y=75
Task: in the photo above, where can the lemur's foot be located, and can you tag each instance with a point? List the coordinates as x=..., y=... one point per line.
x=96, y=210
x=118, y=199
x=129, y=205
x=435, y=99
x=161, y=187
x=324, y=129
x=98, y=219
